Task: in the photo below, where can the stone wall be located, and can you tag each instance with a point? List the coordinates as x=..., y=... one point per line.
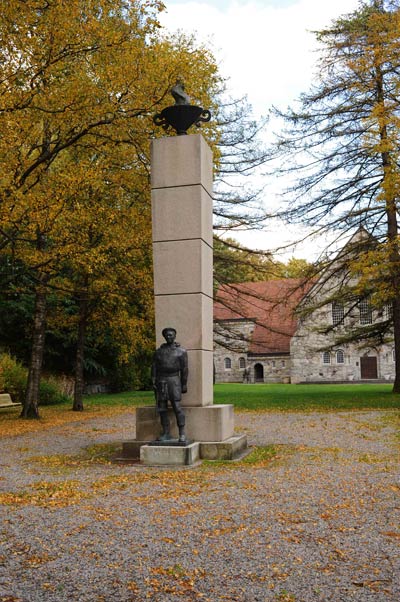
x=310, y=363
x=232, y=374
x=268, y=369
x=275, y=369
x=231, y=356
x=231, y=343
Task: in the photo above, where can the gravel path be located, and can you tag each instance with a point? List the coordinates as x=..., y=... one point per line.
x=318, y=523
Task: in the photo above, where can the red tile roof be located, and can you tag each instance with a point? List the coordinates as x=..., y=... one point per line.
x=270, y=304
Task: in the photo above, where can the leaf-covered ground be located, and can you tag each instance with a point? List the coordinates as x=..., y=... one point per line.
x=311, y=515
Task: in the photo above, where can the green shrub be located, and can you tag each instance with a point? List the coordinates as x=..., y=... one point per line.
x=50, y=393
x=13, y=379
x=132, y=376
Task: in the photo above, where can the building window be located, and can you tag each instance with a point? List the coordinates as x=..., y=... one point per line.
x=273, y=363
x=393, y=354
x=326, y=357
x=388, y=311
x=228, y=363
x=283, y=363
x=337, y=313
x=365, y=311
x=340, y=356
x=242, y=363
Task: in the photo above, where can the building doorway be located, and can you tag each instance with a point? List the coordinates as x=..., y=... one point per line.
x=258, y=373
x=369, y=367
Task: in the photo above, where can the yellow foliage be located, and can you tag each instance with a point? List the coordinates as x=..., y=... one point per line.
x=373, y=271
x=79, y=84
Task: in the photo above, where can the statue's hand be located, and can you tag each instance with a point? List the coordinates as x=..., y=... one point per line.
x=184, y=389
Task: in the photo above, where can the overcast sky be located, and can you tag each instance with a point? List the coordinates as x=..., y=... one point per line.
x=264, y=47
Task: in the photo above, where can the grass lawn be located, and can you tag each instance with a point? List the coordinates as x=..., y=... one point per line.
x=307, y=397
x=301, y=398
x=277, y=397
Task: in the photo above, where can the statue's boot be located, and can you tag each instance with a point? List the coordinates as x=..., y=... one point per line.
x=165, y=435
x=182, y=436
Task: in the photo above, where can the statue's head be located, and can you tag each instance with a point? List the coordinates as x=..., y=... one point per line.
x=169, y=334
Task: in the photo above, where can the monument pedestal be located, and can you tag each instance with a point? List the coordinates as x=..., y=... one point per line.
x=165, y=455
x=182, y=222
x=206, y=423
x=211, y=426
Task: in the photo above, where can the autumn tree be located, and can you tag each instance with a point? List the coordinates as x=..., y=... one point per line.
x=296, y=268
x=233, y=263
x=340, y=148
x=64, y=83
x=80, y=82
x=109, y=272
x=111, y=262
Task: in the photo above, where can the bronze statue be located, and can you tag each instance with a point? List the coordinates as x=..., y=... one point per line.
x=179, y=94
x=169, y=375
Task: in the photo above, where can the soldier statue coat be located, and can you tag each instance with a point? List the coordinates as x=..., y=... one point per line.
x=169, y=376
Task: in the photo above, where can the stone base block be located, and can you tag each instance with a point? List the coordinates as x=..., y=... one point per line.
x=148, y=426
x=155, y=455
x=210, y=423
x=230, y=449
x=131, y=449
x=203, y=423
x=210, y=427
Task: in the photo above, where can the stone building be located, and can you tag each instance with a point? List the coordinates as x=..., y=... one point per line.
x=316, y=352
x=341, y=362
x=257, y=328
x=253, y=326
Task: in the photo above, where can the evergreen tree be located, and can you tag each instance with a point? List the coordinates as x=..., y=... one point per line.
x=341, y=148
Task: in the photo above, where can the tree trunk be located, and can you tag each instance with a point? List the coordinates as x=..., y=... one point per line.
x=395, y=263
x=394, y=259
x=31, y=403
x=392, y=228
x=80, y=355
x=396, y=329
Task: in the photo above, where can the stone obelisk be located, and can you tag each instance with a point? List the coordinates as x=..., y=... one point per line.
x=182, y=212
x=181, y=183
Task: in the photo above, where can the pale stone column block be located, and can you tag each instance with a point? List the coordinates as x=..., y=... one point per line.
x=208, y=423
x=182, y=266
x=181, y=161
x=182, y=213
x=190, y=315
x=181, y=181
x=211, y=423
x=200, y=381
x=182, y=254
x=170, y=456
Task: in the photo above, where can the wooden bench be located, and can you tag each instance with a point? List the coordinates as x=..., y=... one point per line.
x=6, y=401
